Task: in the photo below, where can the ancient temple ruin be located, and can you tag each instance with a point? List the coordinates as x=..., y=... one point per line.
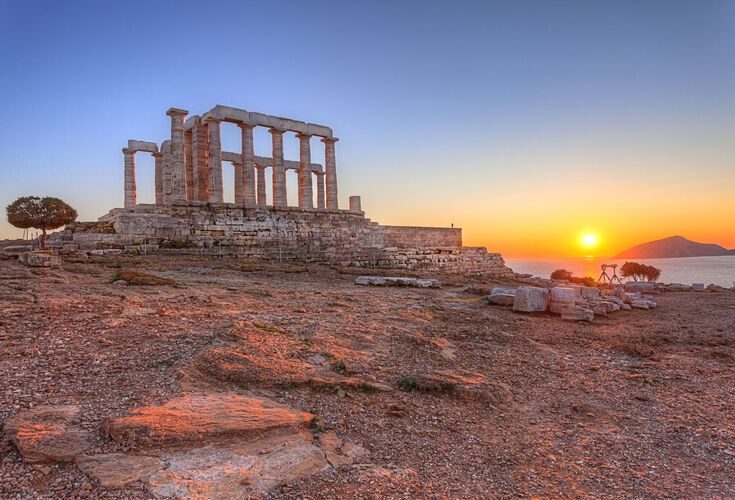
x=190, y=215
x=188, y=166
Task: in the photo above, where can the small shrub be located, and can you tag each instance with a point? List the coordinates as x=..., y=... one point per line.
x=339, y=366
x=408, y=384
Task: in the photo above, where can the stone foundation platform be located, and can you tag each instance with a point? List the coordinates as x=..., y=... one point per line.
x=331, y=237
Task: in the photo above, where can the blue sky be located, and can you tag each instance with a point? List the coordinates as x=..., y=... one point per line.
x=448, y=112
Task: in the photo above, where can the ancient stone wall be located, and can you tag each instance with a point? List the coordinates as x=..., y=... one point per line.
x=408, y=236
x=336, y=238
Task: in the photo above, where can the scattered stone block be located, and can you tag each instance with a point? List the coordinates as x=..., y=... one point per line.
x=397, y=281
x=40, y=259
x=698, y=287
x=531, y=299
x=16, y=250
x=590, y=292
x=502, y=296
x=561, y=298
x=577, y=313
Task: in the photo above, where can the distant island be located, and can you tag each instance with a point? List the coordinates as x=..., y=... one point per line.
x=671, y=247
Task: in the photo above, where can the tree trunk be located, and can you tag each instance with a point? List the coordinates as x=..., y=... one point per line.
x=43, y=239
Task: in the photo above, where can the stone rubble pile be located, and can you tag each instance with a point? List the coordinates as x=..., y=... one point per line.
x=397, y=281
x=572, y=302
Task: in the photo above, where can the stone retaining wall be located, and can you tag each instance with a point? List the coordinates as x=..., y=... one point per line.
x=341, y=238
x=408, y=236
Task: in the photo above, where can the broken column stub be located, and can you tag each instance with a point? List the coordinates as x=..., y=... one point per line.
x=531, y=299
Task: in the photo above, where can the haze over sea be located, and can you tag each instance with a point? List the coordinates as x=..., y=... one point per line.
x=687, y=270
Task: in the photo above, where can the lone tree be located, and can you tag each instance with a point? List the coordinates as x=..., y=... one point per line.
x=639, y=272
x=40, y=213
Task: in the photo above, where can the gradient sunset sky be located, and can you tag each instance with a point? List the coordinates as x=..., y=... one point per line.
x=525, y=123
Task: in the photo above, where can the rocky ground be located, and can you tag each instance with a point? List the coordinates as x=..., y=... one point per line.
x=288, y=381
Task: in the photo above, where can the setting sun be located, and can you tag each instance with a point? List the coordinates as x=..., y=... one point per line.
x=589, y=240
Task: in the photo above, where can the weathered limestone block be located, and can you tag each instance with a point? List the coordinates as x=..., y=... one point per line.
x=590, y=292
x=502, y=296
x=40, y=259
x=577, y=313
x=561, y=298
x=397, y=281
x=531, y=299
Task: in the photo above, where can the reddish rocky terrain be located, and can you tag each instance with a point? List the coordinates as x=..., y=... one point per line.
x=244, y=379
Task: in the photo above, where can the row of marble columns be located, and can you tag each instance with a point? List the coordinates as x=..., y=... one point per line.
x=251, y=190
x=184, y=170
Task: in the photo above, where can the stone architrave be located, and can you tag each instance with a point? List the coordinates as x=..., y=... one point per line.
x=279, y=174
x=306, y=193
x=216, y=194
x=248, y=165
x=178, y=158
x=158, y=176
x=130, y=189
x=330, y=167
x=320, y=199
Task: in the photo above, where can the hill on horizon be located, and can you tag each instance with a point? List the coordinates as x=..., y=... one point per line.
x=672, y=247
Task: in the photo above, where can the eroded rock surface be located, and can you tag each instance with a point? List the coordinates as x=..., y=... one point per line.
x=117, y=470
x=197, y=417
x=46, y=434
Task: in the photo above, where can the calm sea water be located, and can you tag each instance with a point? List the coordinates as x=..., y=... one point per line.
x=687, y=270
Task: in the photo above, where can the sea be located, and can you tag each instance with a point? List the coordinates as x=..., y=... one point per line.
x=686, y=270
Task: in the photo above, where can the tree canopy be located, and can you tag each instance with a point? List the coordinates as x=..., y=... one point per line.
x=40, y=213
x=639, y=272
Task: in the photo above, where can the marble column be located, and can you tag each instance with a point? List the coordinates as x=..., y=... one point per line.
x=191, y=178
x=130, y=190
x=166, y=172
x=320, y=200
x=279, y=174
x=248, y=165
x=158, y=177
x=262, y=198
x=238, y=182
x=178, y=158
x=200, y=157
x=330, y=166
x=306, y=193
x=216, y=195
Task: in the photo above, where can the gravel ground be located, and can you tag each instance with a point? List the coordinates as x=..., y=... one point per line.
x=639, y=404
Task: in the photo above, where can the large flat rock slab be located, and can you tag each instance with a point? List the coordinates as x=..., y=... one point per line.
x=197, y=417
x=117, y=470
x=46, y=434
x=238, y=470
